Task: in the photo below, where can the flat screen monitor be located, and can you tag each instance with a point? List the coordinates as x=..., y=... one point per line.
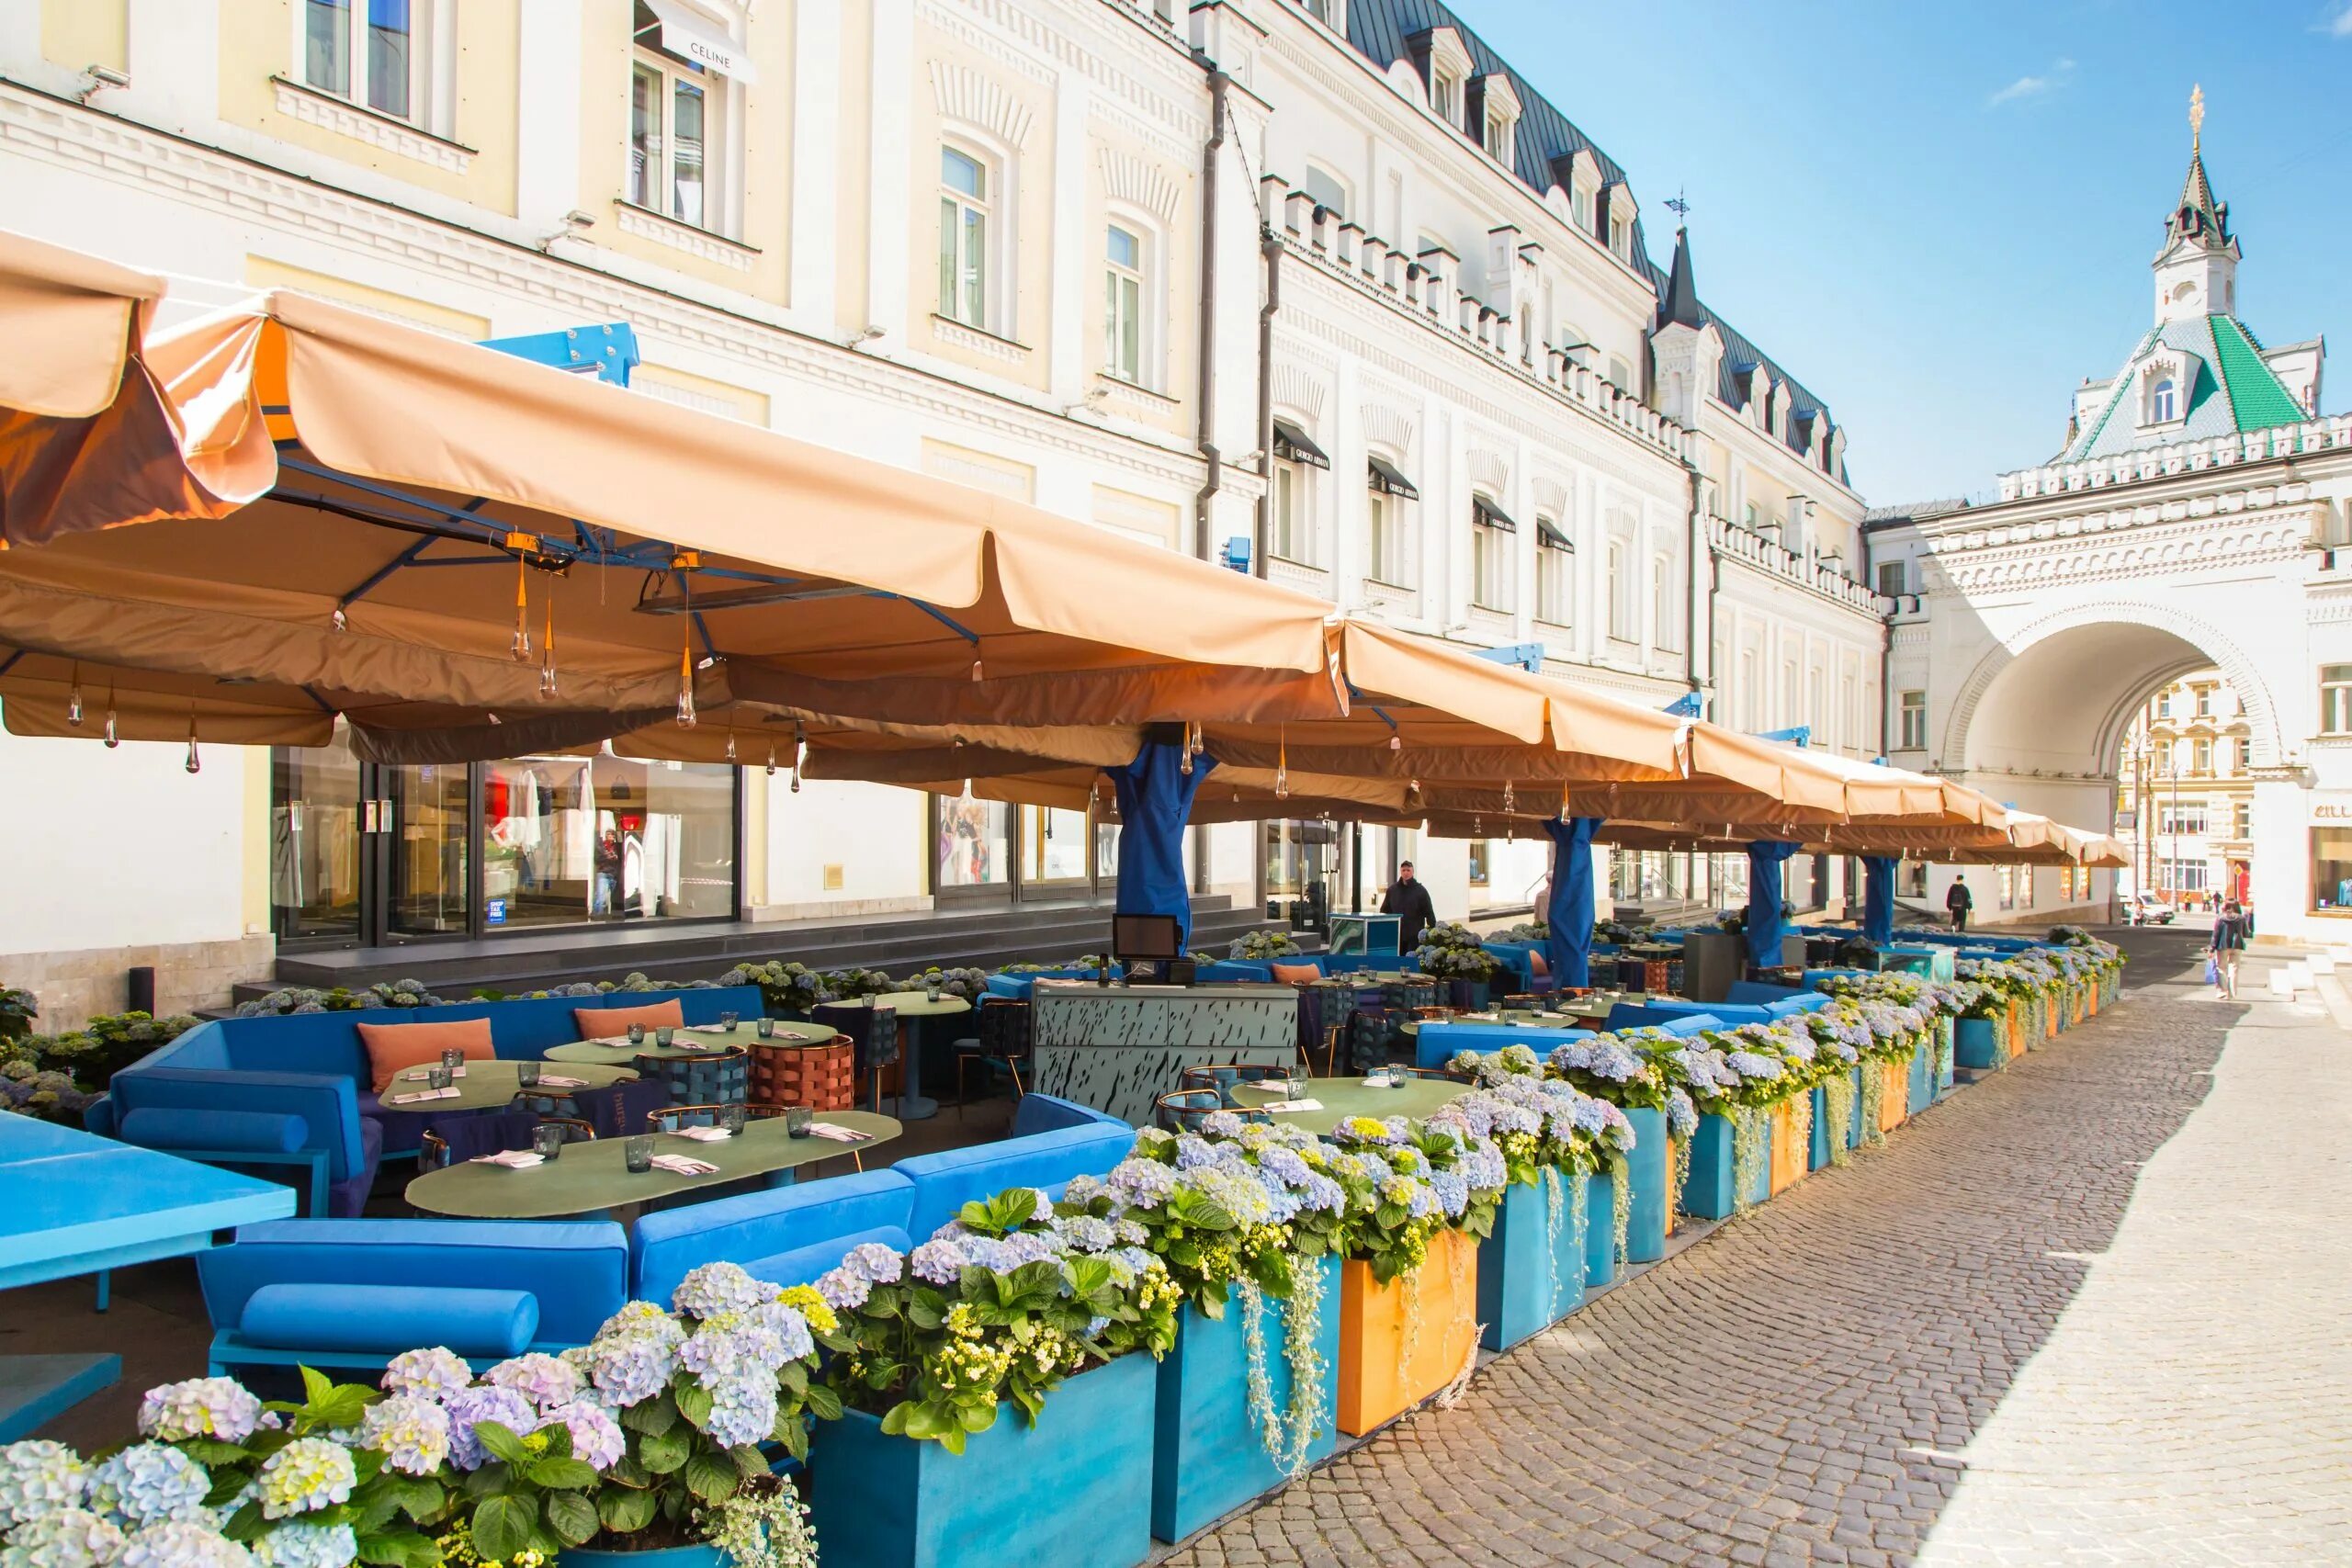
x=1147, y=936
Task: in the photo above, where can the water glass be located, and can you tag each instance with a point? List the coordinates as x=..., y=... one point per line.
x=796, y=1118
x=764, y=1028
x=727, y=1020
x=637, y=1153
x=664, y=1035
x=437, y=1077
x=453, y=1059
x=931, y=989
x=637, y=1034
x=731, y=1118
x=547, y=1139
x=527, y=1074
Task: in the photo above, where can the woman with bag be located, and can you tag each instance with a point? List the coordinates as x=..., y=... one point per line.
x=2222, y=953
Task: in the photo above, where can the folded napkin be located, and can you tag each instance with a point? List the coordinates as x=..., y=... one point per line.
x=839, y=1134
x=556, y=1080
x=703, y=1134
x=1292, y=1105
x=711, y=1028
x=420, y=1074
x=422, y=1094
x=512, y=1159
x=683, y=1165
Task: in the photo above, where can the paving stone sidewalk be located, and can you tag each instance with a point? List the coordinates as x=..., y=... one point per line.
x=1797, y=1387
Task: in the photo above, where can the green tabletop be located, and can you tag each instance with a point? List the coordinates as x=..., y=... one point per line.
x=592, y=1053
x=1342, y=1097
x=1582, y=1016
x=488, y=1085
x=592, y=1176
x=911, y=1004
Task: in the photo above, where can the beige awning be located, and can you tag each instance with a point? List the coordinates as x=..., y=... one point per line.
x=72, y=321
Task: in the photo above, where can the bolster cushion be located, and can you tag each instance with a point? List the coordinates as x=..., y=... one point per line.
x=240, y=1132
x=390, y=1319
x=393, y=1048
x=1294, y=974
x=605, y=1023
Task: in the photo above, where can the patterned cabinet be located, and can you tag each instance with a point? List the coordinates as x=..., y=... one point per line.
x=1117, y=1047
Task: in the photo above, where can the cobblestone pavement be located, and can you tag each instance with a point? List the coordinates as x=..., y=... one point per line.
x=1802, y=1386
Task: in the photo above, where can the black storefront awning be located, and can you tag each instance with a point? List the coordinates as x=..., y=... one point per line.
x=1290, y=445
x=1386, y=477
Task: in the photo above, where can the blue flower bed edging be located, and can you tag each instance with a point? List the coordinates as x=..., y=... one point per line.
x=1207, y=1458
x=1074, y=1491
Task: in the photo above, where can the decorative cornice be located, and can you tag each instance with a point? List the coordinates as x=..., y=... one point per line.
x=700, y=244
x=1294, y=388
x=2126, y=557
x=1489, y=469
x=1390, y=427
x=1139, y=183
x=968, y=97
x=330, y=113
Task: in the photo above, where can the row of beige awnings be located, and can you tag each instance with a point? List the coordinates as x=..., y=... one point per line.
x=290, y=512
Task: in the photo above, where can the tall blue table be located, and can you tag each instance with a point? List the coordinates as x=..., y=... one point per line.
x=72, y=1203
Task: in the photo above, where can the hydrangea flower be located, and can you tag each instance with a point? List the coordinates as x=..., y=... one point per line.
x=67, y=1538
x=542, y=1379
x=844, y=1289
x=715, y=1288
x=1222, y=1125
x=628, y=1368
x=148, y=1482
x=1681, y=1116
x=1752, y=1067
x=880, y=1264
x=1141, y=1183
x=39, y=1478
x=308, y=1546
x=1086, y=1233
x=475, y=1405
x=308, y=1475
x=595, y=1436
x=1196, y=1152
x=409, y=1431
x=937, y=1262
x=743, y=1410
x=199, y=1407
x=180, y=1544
x=435, y=1373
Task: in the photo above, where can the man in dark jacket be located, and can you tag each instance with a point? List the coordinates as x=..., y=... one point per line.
x=1408, y=900
x=1958, y=901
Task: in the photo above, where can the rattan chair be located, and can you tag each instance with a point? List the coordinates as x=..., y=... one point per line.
x=1183, y=1110
x=1005, y=1030
x=1206, y=1077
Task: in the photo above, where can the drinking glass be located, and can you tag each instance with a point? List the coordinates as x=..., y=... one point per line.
x=931, y=989
x=764, y=1028
x=637, y=1153
x=664, y=1035
x=796, y=1118
x=731, y=1118
x=527, y=1074
x=547, y=1139
x=637, y=1034
x=437, y=1077
x=453, y=1059
x=727, y=1020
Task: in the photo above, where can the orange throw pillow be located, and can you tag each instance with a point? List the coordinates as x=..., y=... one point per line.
x=604, y=1023
x=1296, y=974
x=1536, y=966
x=393, y=1048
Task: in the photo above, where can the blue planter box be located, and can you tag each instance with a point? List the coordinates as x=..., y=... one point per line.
x=1074, y=1490
x=1923, y=1079
x=1208, y=1459
x=1975, y=1045
x=671, y=1557
x=1816, y=1154
x=1525, y=1284
x=1650, y=1169
x=1707, y=1191
x=1601, y=1229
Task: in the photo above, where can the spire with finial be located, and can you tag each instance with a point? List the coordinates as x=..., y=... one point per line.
x=1679, y=305
x=2197, y=217
x=2196, y=119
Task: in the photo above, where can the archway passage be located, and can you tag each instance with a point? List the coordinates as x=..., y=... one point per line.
x=2055, y=712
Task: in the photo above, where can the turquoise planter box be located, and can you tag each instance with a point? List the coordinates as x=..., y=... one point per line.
x=1707, y=1190
x=1974, y=1044
x=1648, y=1168
x=1945, y=1056
x=1816, y=1154
x=1923, y=1079
x=672, y=1557
x=1525, y=1284
x=1601, y=1229
x=1074, y=1491
x=1208, y=1459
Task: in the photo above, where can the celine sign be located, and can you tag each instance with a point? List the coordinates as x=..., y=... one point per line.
x=685, y=35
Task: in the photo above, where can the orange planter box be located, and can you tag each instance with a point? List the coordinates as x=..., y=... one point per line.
x=1790, y=1154
x=1374, y=1331
x=2017, y=1028
x=1893, y=1095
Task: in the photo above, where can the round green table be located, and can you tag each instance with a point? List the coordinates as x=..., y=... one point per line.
x=914, y=1105
x=1343, y=1097
x=488, y=1085
x=593, y=1177
x=590, y=1053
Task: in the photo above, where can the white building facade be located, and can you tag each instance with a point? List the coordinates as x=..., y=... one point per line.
x=1326, y=278
x=2194, y=518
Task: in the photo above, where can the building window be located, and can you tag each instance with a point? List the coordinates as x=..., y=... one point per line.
x=1492, y=536
x=366, y=51
x=1666, y=625
x=1891, y=579
x=673, y=113
x=2241, y=820
x=2332, y=868
x=1327, y=190
x=2162, y=402
x=2183, y=875
x=1556, y=562
x=2204, y=702
x=1445, y=97
x=1123, y=320
x=2201, y=755
x=1914, y=714
x=2008, y=886
x=1619, y=232
x=1386, y=558
x=2245, y=753
x=1288, y=538
x=2181, y=820
x=2336, y=699
x=964, y=215
x=1622, y=617
x=1478, y=862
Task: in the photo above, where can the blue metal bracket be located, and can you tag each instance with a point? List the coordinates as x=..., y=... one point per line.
x=1690, y=704
x=1236, y=552
x=1798, y=735
x=1528, y=656
x=608, y=352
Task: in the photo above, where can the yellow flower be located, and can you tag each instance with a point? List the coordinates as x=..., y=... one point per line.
x=811, y=1306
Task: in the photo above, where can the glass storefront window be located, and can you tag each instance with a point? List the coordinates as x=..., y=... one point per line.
x=427, y=895
x=2332, y=868
x=572, y=838
x=1054, y=841
x=314, y=840
x=973, y=847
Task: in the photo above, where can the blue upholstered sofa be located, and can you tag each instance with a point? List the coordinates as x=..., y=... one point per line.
x=1779, y=1001
x=1674, y=1020
x=1020, y=987
x=299, y=1084
x=1436, y=1043
x=1052, y=1140
x=356, y=1292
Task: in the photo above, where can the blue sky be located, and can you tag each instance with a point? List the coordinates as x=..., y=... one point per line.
x=1940, y=218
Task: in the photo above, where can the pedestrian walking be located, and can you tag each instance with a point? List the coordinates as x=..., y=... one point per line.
x=2223, y=951
x=1958, y=901
x=1408, y=899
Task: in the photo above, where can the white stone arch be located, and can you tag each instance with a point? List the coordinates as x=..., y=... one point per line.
x=2219, y=650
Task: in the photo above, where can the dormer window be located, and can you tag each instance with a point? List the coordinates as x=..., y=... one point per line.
x=2163, y=403
x=1445, y=97
x=1445, y=63
x=1494, y=114
x=2166, y=382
